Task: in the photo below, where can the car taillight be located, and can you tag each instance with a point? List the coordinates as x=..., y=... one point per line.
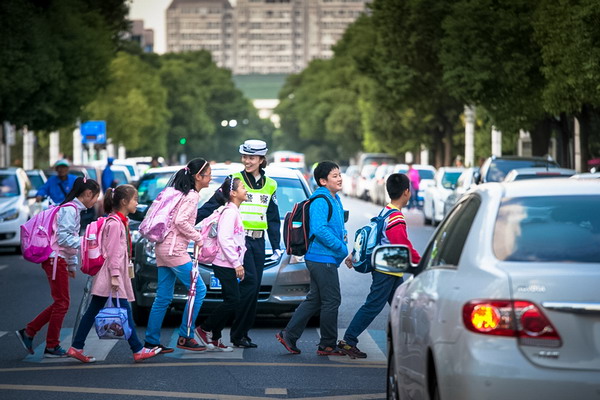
x=520, y=319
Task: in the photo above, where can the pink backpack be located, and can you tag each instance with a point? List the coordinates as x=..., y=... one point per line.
x=37, y=235
x=210, y=243
x=92, y=259
x=157, y=222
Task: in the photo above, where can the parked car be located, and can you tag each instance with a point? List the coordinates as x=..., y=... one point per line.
x=464, y=183
x=435, y=195
x=349, y=180
x=494, y=169
x=382, y=191
x=520, y=174
x=367, y=173
x=132, y=168
x=376, y=195
x=285, y=280
x=37, y=178
x=17, y=202
x=504, y=302
x=587, y=175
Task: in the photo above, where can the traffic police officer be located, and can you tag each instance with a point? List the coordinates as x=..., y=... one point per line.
x=260, y=214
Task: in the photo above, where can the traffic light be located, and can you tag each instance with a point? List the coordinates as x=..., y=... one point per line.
x=182, y=140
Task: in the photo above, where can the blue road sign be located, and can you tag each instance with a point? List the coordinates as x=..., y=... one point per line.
x=93, y=132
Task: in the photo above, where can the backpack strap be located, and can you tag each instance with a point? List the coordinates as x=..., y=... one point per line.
x=383, y=217
x=55, y=250
x=329, y=214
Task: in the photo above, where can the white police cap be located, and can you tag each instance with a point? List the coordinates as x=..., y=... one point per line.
x=254, y=148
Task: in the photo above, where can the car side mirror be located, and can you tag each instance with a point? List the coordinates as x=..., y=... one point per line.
x=477, y=178
x=140, y=212
x=346, y=215
x=392, y=258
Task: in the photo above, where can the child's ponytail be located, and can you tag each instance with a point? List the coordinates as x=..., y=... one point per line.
x=79, y=186
x=114, y=197
x=224, y=192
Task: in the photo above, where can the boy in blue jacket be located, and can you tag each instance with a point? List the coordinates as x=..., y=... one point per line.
x=326, y=252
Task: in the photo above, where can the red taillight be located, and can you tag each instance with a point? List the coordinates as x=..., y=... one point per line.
x=520, y=319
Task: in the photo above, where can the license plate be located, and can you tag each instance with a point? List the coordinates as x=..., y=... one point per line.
x=215, y=283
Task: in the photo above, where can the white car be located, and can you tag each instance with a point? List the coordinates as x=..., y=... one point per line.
x=435, y=195
x=398, y=169
x=463, y=184
x=504, y=303
x=17, y=204
x=377, y=184
x=426, y=173
x=349, y=179
x=367, y=173
x=520, y=174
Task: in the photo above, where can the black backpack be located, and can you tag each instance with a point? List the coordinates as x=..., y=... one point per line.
x=296, y=226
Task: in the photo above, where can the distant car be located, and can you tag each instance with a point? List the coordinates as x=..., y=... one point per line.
x=132, y=168
x=494, y=169
x=367, y=173
x=504, y=303
x=426, y=173
x=349, y=178
x=435, y=195
x=37, y=177
x=285, y=280
x=464, y=183
x=382, y=191
x=121, y=173
x=17, y=202
x=376, y=195
x=538, y=173
x=587, y=175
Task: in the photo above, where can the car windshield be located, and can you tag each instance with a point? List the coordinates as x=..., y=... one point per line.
x=92, y=173
x=9, y=187
x=548, y=229
x=36, y=180
x=499, y=168
x=289, y=191
x=425, y=174
x=449, y=179
x=120, y=177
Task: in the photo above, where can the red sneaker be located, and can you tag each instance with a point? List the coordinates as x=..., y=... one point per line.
x=219, y=346
x=205, y=338
x=78, y=354
x=145, y=353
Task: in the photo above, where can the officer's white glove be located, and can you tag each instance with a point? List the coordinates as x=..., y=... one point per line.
x=276, y=255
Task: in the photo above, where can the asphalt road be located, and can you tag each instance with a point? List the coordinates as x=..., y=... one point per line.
x=267, y=372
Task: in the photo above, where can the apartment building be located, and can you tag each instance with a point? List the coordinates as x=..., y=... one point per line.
x=260, y=36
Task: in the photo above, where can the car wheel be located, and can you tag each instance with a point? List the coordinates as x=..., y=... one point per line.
x=392, y=379
x=140, y=314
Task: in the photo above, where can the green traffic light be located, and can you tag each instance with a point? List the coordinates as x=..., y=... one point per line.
x=182, y=140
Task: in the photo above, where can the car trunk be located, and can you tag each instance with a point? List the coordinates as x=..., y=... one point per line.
x=567, y=294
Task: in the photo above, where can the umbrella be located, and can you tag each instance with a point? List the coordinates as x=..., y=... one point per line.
x=192, y=292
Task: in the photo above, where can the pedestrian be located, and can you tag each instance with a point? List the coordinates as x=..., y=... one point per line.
x=384, y=283
x=228, y=263
x=113, y=278
x=173, y=260
x=413, y=176
x=260, y=213
x=57, y=186
x=108, y=176
x=67, y=225
x=326, y=251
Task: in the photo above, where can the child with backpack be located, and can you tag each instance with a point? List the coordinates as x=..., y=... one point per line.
x=228, y=263
x=173, y=260
x=384, y=283
x=113, y=278
x=326, y=251
x=61, y=265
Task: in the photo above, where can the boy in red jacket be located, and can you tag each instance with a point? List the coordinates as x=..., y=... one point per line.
x=384, y=284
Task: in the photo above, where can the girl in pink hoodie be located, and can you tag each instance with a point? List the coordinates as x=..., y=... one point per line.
x=113, y=278
x=228, y=264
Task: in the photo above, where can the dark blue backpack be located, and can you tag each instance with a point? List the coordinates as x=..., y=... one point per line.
x=365, y=240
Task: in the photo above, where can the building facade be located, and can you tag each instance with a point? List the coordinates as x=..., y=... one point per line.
x=260, y=36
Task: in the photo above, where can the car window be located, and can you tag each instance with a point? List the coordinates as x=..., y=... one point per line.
x=446, y=246
x=92, y=173
x=425, y=174
x=120, y=177
x=9, y=187
x=36, y=180
x=449, y=179
x=151, y=185
x=548, y=229
x=499, y=168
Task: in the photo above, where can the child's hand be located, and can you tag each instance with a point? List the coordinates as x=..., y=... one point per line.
x=114, y=283
x=239, y=272
x=71, y=274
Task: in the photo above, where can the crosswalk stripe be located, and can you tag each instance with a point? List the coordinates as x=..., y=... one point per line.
x=2, y=333
x=236, y=354
x=93, y=346
x=3, y=267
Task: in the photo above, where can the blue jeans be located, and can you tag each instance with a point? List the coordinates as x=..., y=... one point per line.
x=382, y=291
x=87, y=321
x=164, y=295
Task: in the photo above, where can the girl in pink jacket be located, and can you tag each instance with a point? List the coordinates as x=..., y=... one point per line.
x=228, y=264
x=114, y=277
x=173, y=260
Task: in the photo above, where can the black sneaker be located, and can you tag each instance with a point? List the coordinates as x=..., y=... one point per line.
x=25, y=340
x=351, y=351
x=289, y=346
x=163, y=349
x=57, y=352
x=189, y=344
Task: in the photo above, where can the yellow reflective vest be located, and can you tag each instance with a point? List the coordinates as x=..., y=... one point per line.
x=254, y=209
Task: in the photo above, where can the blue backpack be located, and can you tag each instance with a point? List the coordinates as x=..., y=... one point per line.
x=365, y=240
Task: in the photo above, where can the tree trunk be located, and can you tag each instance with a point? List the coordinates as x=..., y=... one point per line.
x=585, y=121
x=540, y=137
x=565, y=128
